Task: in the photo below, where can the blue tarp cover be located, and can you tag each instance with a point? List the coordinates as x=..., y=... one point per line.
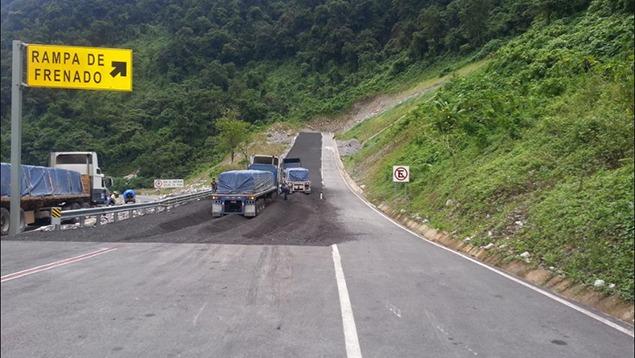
x=244, y=181
x=297, y=174
x=41, y=181
x=266, y=167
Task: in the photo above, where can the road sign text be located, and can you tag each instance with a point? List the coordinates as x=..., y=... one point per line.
x=168, y=183
x=79, y=67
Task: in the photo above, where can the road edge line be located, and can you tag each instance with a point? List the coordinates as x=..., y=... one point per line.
x=504, y=274
x=348, y=320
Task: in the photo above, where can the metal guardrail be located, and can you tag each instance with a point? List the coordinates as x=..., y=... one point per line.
x=131, y=209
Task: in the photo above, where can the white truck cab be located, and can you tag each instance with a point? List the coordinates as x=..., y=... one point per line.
x=85, y=163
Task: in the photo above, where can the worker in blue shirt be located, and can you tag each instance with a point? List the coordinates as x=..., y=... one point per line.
x=284, y=190
x=129, y=196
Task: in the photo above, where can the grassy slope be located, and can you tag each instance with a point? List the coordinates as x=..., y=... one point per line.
x=534, y=153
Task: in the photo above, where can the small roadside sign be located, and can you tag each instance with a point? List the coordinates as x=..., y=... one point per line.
x=56, y=215
x=91, y=68
x=401, y=173
x=168, y=183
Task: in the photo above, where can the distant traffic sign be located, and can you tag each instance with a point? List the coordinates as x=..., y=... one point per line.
x=401, y=174
x=107, y=69
x=168, y=183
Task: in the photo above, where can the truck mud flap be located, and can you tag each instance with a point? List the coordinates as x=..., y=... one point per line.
x=250, y=209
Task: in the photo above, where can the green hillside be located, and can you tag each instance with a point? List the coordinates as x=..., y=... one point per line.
x=265, y=60
x=532, y=153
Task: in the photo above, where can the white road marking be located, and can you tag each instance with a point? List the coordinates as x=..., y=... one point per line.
x=464, y=345
x=394, y=309
x=52, y=265
x=582, y=310
x=348, y=321
x=198, y=314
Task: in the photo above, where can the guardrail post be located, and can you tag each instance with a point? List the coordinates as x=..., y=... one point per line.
x=82, y=221
x=98, y=220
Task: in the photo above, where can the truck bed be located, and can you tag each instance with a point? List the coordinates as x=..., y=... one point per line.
x=30, y=198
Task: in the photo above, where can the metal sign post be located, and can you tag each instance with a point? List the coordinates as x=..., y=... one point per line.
x=16, y=135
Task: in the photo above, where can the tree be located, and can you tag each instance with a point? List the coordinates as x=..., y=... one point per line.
x=232, y=133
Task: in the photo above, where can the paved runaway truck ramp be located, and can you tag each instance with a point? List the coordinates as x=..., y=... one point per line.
x=306, y=278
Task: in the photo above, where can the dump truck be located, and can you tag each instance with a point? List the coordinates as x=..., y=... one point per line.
x=72, y=181
x=295, y=176
x=246, y=192
x=243, y=192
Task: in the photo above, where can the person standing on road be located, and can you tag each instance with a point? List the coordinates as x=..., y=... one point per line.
x=214, y=185
x=112, y=199
x=284, y=188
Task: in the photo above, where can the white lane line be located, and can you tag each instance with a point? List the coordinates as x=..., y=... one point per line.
x=348, y=321
x=198, y=314
x=52, y=265
x=532, y=287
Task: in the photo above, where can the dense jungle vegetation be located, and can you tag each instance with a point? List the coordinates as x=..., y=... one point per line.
x=265, y=60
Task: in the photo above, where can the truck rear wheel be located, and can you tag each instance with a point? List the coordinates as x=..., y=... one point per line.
x=6, y=221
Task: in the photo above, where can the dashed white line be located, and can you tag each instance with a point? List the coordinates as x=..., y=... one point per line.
x=394, y=309
x=52, y=265
x=348, y=320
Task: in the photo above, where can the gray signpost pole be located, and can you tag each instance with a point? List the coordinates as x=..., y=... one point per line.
x=16, y=136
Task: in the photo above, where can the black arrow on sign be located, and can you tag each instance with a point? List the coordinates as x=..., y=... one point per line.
x=119, y=68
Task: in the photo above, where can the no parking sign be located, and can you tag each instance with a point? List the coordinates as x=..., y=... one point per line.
x=401, y=173
x=168, y=183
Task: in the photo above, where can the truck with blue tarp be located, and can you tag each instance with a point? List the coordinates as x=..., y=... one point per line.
x=246, y=192
x=296, y=178
x=72, y=181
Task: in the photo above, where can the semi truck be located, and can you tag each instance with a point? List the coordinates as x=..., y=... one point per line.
x=246, y=192
x=73, y=180
x=295, y=176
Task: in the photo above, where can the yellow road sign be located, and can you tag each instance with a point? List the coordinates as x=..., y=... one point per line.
x=93, y=68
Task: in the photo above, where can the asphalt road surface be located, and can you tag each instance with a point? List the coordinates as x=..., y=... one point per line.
x=306, y=278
